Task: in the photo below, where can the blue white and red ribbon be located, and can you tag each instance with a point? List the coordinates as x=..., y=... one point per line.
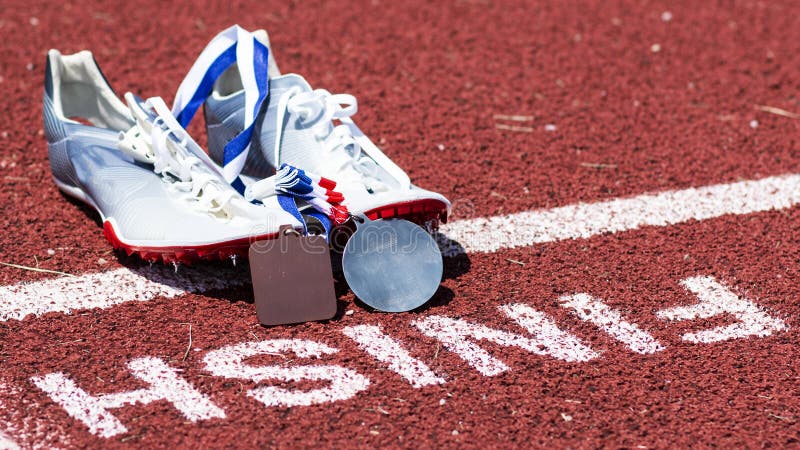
x=236, y=45
x=313, y=189
x=231, y=45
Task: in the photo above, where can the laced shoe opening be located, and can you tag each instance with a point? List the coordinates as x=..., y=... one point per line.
x=81, y=93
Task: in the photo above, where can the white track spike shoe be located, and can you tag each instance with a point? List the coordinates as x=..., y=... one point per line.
x=306, y=128
x=155, y=191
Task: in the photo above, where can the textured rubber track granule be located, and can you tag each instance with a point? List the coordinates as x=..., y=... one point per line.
x=613, y=99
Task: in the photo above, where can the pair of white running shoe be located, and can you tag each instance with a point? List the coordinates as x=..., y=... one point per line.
x=280, y=154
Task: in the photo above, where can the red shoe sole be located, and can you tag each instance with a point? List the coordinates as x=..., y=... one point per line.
x=422, y=212
x=237, y=248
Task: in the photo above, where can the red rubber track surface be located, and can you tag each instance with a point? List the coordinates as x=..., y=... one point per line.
x=621, y=102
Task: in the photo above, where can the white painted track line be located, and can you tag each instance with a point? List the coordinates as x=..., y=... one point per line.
x=6, y=443
x=6, y=427
x=583, y=220
x=106, y=289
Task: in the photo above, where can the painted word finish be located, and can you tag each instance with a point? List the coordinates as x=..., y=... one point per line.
x=542, y=337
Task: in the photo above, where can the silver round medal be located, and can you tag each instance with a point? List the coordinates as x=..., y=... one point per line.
x=392, y=265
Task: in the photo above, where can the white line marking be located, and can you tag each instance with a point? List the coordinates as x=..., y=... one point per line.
x=106, y=289
x=585, y=220
x=6, y=443
x=103, y=290
x=592, y=310
x=372, y=340
x=716, y=299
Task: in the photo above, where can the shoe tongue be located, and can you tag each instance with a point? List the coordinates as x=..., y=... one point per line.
x=134, y=141
x=139, y=110
x=283, y=83
x=144, y=115
x=263, y=37
x=288, y=81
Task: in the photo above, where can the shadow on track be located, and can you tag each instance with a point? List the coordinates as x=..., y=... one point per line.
x=230, y=280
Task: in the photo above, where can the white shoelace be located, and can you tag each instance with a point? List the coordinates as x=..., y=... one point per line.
x=207, y=191
x=324, y=108
x=182, y=167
